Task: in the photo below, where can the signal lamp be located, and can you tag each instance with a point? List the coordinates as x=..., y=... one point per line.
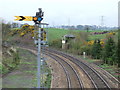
x=35, y=18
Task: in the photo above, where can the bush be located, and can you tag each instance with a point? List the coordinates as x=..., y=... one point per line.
x=86, y=49
x=96, y=49
x=56, y=43
x=6, y=28
x=10, y=60
x=109, y=51
x=81, y=37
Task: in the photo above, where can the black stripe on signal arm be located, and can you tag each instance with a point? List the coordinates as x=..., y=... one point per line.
x=22, y=18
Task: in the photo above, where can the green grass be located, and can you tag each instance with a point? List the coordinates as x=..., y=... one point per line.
x=108, y=69
x=93, y=37
x=25, y=74
x=47, y=82
x=112, y=72
x=116, y=76
x=27, y=63
x=54, y=34
x=105, y=66
x=0, y=67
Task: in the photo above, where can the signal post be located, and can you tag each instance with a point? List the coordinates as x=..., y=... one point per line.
x=37, y=20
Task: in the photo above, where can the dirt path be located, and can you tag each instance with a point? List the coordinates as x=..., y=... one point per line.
x=24, y=76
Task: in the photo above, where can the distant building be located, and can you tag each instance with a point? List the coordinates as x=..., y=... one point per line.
x=66, y=39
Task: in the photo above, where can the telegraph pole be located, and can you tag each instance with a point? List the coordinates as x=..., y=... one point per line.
x=102, y=21
x=68, y=21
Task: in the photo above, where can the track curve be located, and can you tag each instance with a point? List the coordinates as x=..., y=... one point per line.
x=97, y=80
x=74, y=79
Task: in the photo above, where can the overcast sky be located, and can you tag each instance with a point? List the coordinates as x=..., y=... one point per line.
x=63, y=12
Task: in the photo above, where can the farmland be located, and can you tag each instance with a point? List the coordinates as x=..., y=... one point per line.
x=54, y=33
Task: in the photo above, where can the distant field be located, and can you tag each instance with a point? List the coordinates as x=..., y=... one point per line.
x=54, y=34
x=93, y=37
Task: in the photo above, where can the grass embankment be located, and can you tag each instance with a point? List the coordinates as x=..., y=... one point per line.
x=24, y=76
x=10, y=60
x=110, y=68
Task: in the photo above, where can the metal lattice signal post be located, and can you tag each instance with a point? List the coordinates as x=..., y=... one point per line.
x=40, y=41
x=39, y=58
x=39, y=15
x=38, y=26
x=37, y=20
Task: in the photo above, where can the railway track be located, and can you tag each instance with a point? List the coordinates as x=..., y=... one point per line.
x=66, y=72
x=97, y=80
x=73, y=78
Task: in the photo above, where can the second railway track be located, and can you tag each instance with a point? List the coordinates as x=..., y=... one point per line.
x=73, y=78
x=96, y=79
